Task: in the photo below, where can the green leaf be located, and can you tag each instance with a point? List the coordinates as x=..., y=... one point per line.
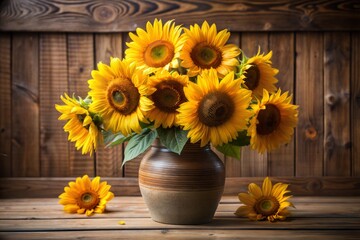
x=113, y=139
x=241, y=140
x=173, y=138
x=139, y=143
x=230, y=150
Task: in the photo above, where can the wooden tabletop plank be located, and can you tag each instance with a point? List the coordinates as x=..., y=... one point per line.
x=134, y=207
x=44, y=218
x=186, y=234
x=146, y=223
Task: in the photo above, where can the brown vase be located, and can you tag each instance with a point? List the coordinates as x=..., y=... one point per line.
x=181, y=189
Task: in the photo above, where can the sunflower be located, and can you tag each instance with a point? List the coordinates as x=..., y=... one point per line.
x=205, y=48
x=215, y=110
x=86, y=196
x=259, y=74
x=266, y=203
x=167, y=98
x=274, y=121
x=119, y=94
x=80, y=125
x=156, y=48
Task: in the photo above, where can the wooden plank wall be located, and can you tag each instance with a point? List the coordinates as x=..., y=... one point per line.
x=50, y=47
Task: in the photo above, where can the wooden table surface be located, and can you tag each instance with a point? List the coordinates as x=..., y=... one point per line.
x=43, y=218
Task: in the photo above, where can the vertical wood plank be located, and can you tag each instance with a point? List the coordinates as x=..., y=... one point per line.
x=108, y=45
x=355, y=103
x=53, y=83
x=108, y=160
x=337, y=104
x=281, y=161
x=25, y=105
x=309, y=95
x=80, y=62
x=5, y=106
x=254, y=164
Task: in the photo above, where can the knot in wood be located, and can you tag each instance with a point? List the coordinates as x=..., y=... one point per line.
x=314, y=186
x=330, y=142
x=331, y=99
x=305, y=20
x=104, y=14
x=311, y=133
x=267, y=26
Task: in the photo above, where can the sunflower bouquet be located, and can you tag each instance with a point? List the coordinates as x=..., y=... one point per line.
x=181, y=84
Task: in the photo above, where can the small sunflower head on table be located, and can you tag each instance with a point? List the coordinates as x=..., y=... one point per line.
x=86, y=196
x=268, y=202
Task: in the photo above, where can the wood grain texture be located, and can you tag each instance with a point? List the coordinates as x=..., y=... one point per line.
x=25, y=105
x=254, y=164
x=313, y=218
x=115, y=16
x=108, y=45
x=299, y=186
x=52, y=187
x=53, y=83
x=194, y=234
x=5, y=106
x=224, y=221
x=337, y=104
x=281, y=162
x=309, y=95
x=135, y=207
x=355, y=103
x=80, y=63
x=108, y=160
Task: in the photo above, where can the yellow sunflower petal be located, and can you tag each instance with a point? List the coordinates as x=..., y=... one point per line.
x=243, y=211
x=95, y=183
x=246, y=199
x=267, y=187
x=255, y=190
x=71, y=208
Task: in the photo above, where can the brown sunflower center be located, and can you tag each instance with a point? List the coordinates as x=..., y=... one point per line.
x=267, y=205
x=88, y=200
x=215, y=109
x=159, y=53
x=252, y=77
x=269, y=120
x=123, y=96
x=168, y=96
x=206, y=56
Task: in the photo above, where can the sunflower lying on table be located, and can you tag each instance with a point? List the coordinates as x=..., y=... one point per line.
x=266, y=203
x=179, y=84
x=86, y=196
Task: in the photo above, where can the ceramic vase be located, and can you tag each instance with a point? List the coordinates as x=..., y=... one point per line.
x=181, y=189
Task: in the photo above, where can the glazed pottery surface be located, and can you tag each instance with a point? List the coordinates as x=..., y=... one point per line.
x=181, y=189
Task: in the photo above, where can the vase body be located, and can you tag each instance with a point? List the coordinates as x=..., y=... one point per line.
x=181, y=189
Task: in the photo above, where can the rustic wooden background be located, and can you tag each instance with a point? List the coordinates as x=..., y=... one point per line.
x=50, y=47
